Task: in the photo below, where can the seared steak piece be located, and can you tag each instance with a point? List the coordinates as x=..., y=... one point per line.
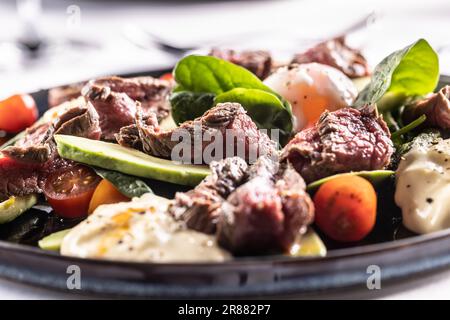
x=115, y=109
x=151, y=92
x=199, y=208
x=226, y=121
x=80, y=122
x=337, y=54
x=267, y=213
x=18, y=178
x=259, y=62
x=129, y=137
x=436, y=107
x=58, y=95
x=341, y=141
x=252, y=210
x=24, y=166
x=36, y=146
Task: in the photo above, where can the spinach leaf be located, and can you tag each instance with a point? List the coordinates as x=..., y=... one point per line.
x=128, y=185
x=411, y=71
x=190, y=105
x=210, y=74
x=266, y=110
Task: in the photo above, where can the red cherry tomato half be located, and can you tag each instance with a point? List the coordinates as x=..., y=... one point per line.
x=167, y=76
x=17, y=113
x=69, y=192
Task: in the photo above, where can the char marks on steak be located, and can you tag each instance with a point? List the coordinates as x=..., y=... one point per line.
x=252, y=209
x=23, y=178
x=341, y=141
x=200, y=208
x=337, y=54
x=436, y=107
x=18, y=178
x=259, y=62
x=267, y=213
x=226, y=121
x=80, y=121
x=152, y=93
x=36, y=146
x=25, y=165
x=129, y=137
x=115, y=109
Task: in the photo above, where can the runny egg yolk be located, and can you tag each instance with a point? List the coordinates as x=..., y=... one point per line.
x=311, y=89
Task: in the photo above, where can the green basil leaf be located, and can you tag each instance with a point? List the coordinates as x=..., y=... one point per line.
x=210, y=74
x=128, y=185
x=190, y=105
x=411, y=71
x=266, y=109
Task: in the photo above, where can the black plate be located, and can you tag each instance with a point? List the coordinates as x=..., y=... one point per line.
x=270, y=276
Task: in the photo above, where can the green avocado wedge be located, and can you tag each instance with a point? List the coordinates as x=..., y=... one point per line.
x=129, y=161
x=375, y=177
x=310, y=245
x=53, y=241
x=13, y=207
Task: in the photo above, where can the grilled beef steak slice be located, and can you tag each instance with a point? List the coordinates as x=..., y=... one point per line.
x=337, y=54
x=36, y=146
x=25, y=165
x=115, y=109
x=129, y=137
x=80, y=122
x=199, y=208
x=436, y=107
x=259, y=62
x=266, y=213
x=151, y=92
x=18, y=178
x=58, y=95
x=341, y=141
x=226, y=121
x=250, y=208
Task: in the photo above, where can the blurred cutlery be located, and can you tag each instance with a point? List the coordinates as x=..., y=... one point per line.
x=145, y=39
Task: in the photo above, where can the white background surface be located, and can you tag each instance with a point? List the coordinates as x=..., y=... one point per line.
x=274, y=25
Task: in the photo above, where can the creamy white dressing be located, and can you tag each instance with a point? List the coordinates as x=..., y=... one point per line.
x=423, y=188
x=139, y=230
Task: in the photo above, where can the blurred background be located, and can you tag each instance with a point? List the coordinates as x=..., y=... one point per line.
x=44, y=43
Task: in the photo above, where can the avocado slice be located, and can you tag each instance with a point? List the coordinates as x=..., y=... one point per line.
x=53, y=241
x=310, y=245
x=129, y=161
x=15, y=206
